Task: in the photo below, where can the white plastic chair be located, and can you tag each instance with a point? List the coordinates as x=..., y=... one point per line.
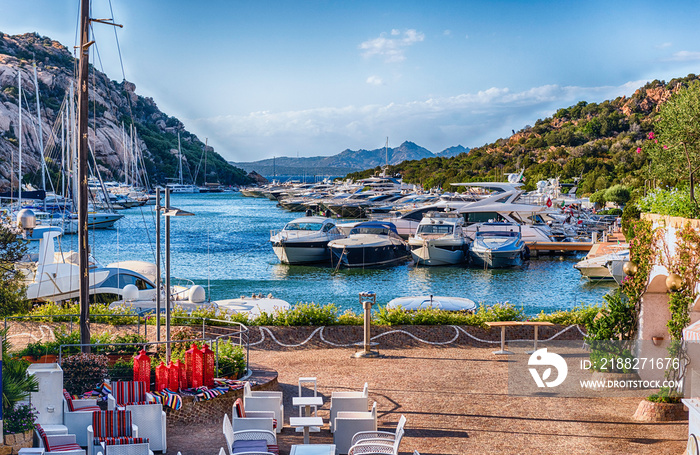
x=348, y=402
x=368, y=446
x=126, y=449
x=264, y=401
x=232, y=436
x=244, y=419
x=148, y=415
x=384, y=437
x=347, y=424
x=63, y=444
x=121, y=449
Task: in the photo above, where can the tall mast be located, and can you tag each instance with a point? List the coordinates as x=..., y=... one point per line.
x=19, y=168
x=179, y=153
x=83, y=175
x=206, y=144
x=41, y=136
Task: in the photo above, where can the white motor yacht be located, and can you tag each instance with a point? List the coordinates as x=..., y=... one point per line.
x=430, y=301
x=440, y=240
x=305, y=240
x=596, y=264
x=497, y=245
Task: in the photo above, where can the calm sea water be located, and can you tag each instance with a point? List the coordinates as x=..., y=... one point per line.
x=225, y=247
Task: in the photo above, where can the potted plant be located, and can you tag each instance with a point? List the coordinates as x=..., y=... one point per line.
x=16, y=386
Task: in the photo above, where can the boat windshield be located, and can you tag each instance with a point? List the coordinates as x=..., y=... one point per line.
x=370, y=230
x=303, y=226
x=435, y=229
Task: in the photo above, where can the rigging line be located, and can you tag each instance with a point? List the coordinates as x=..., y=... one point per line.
x=116, y=38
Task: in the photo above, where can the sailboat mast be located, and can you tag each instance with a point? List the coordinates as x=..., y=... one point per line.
x=206, y=144
x=83, y=175
x=41, y=136
x=19, y=168
x=179, y=153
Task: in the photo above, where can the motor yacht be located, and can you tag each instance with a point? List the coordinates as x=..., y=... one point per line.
x=440, y=240
x=370, y=244
x=497, y=245
x=430, y=301
x=304, y=240
x=597, y=263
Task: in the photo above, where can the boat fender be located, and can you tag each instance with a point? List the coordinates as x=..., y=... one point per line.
x=526, y=253
x=197, y=294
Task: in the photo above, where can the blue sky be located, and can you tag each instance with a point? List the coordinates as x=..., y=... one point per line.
x=281, y=78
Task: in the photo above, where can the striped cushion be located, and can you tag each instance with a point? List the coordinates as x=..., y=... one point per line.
x=274, y=448
x=65, y=447
x=120, y=441
x=111, y=424
x=238, y=406
x=44, y=439
x=130, y=392
x=69, y=400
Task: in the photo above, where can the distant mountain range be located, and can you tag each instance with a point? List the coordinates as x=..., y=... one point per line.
x=346, y=161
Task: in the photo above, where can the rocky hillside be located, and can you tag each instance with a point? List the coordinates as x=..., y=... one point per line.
x=113, y=106
x=345, y=161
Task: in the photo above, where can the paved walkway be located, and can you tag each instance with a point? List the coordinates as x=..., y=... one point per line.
x=456, y=402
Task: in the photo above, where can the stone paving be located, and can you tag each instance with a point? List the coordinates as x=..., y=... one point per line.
x=456, y=402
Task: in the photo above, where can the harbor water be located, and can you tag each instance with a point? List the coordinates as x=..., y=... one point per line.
x=225, y=248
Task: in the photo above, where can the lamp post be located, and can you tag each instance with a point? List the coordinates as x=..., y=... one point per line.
x=169, y=212
x=367, y=299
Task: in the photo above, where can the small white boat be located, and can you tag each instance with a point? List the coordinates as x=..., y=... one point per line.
x=305, y=240
x=497, y=245
x=430, y=301
x=253, y=305
x=440, y=240
x=596, y=266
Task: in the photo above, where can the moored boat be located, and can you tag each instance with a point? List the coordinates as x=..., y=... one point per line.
x=431, y=301
x=440, y=240
x=370, y=244
x=497, y=245
x=304, y=240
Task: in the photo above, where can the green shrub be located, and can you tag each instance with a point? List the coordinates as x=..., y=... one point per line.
x=432, y=316
x=672, y=202
x=83, y=372
x=581, y=315
x=306, y=314
x=122, y=370
x=19, y=419
x=231, y=359
x=665, y=395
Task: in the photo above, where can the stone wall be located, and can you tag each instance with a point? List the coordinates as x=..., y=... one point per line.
x=14, y=442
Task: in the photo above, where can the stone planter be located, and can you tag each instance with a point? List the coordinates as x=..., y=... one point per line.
x=648, y=411
x=14, y=442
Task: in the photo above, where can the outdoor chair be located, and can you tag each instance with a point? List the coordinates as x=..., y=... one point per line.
x=113, y=428
x=367, y=446
x=347, y=424
x=249, y=441
x=383, y=437
x=348, y=401
x=126, y=449
x=264, y=401
x=77, y=415
x=146, y=414
x=65, y=444
x=251, y=420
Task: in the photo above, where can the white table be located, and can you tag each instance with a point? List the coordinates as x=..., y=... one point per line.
x=313, y=449
x=307, y=402
x=306, y=423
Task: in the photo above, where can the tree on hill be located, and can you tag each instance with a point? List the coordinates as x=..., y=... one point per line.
x=674, y=147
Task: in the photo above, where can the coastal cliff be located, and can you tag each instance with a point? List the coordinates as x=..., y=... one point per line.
x=114, y=106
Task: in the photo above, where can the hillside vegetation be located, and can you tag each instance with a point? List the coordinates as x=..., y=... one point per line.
x=596, y=144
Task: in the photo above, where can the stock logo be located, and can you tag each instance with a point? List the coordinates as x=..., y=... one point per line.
x=549, y=359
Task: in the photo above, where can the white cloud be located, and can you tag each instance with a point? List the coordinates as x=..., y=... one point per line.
x=447, y=32
x=663, y=45
x=392, y=49
x=470, y=119
x=375, y=80
x=685, y=56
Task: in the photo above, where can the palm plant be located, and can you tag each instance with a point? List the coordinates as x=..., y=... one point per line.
x=16, y=384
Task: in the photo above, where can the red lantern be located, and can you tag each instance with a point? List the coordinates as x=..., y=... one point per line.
x=194, y=366
x=208, y=363
x=161, y=377
x=142, y=369
x=173, y=377
x=182, y=373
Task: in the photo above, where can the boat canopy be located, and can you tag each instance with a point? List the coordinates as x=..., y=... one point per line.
x=374, y=227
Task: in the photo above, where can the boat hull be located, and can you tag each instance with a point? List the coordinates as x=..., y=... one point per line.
x=496, y=259
x=371, y=256
x=301, y=252
x=433, y=253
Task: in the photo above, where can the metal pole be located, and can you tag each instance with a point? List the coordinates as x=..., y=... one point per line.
x=158, y=281
x=83, y=176
x=41, y=136
x=167, y=276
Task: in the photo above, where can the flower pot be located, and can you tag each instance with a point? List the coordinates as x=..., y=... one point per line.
x=657, y=340
x=48, y=358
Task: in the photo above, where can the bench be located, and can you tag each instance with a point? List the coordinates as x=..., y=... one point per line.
x=504, y=324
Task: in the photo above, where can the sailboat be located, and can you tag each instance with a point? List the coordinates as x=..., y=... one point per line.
x=181, y=187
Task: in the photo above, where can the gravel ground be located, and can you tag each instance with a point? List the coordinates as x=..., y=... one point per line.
x=456, y=402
